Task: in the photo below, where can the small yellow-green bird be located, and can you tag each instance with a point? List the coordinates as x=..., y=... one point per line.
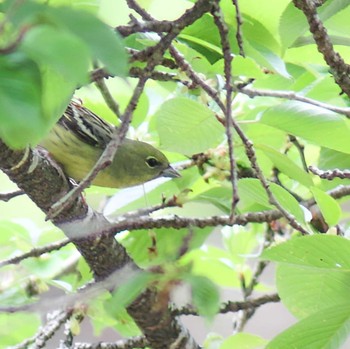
x=78, y=140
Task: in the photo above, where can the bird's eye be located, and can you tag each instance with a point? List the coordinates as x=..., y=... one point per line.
x=152, y=162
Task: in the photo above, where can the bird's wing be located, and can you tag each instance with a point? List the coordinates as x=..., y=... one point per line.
x=86, y=125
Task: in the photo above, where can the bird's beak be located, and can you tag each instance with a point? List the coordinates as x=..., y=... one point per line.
x=170, y=172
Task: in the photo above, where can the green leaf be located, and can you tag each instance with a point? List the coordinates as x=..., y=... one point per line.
x=105, y=45
x=267, y=58
x=329, y=207
x=246, y=66
x=311, y=123
x=128, y=291
x=219, y=197
x=243, y=341
x=313, y=272
x=63, y=60
x=293, y=23
x=215, y=264
x=64, y=52
x=330, y=158
x=103, y=314
x=26, y=325
x=203, y=37
x=20, y=100
x=57, y=92
x=320, y=251
x=205, y=295
x=326, y=329
x=253, y=197
x=286, y=165
x=187, y=127
x=288, y=202
x=168, y=244
x=240, y=242
x=202, y=42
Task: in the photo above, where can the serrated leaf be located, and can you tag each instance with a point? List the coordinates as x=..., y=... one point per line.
x=311, y=123
x=326, y=329
x=313, y=272
x=286, y=165
x=320, y=251
x=187, y=127
x=329, y=207
x=305, y=290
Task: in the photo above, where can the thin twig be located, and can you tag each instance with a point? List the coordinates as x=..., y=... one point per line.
x=13, y=46
x=148, y=210
x=130, y=343
x=300, y=148
x=330, y=174
x=246, y=314
x=230, y=306
x=194, y=77
x=248, y=290
x=250, y=151
x=186, y=222
x=35, y=252
x=53, y=324
x=137, y=55
x=291, y=95
x=137, y=72
x=225, y=44
x=107, y=96
x=239, y=21
x=8, y=196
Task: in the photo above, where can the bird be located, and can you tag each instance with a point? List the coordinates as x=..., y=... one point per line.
x=78, y=139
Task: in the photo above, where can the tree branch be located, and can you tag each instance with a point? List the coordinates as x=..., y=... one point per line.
x=136, y=342
x=8, y=196
x=339, y=69
x=291, y=95
x=35, y=252
x=230, y=306
x=226, y=49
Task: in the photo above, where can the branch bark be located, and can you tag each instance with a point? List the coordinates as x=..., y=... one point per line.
x=339, y=69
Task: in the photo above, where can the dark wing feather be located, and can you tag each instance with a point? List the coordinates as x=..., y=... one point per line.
x=86, y=125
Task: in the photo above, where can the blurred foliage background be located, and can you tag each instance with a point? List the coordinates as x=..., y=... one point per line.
x=55, y=44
